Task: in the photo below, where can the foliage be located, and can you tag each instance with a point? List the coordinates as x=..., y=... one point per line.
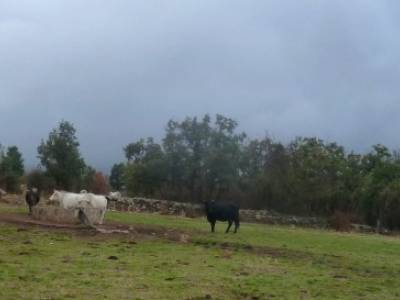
x=99, y=184
x=117, y=177
x=11, y=168
x=87, y=178
x=145, y=174
x=206, y=158
x=39, y=179
x=61, y=158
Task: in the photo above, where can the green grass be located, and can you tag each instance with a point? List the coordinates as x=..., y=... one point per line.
x=13, y=208
x=260, y=262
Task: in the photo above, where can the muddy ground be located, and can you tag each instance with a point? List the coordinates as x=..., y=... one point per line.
x=138, y=232
x=109, y=229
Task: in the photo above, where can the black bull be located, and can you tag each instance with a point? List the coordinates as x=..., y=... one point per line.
x=32, y=198
x=222, y=212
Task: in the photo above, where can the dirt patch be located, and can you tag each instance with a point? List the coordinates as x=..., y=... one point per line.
x=106, y=231
x=258, y=250
x=20, y=219
x=149, y=231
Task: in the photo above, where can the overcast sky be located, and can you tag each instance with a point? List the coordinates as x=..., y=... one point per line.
x=119, y=70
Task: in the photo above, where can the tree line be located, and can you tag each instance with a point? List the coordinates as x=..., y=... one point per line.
x=207, y=158
x=61, y=166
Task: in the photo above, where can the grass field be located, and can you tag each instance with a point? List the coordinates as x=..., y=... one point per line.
x=260, y=262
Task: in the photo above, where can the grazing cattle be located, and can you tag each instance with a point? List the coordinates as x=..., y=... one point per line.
x=80, y=201
x=114, y=196
x=222, y=212
x=32, y=198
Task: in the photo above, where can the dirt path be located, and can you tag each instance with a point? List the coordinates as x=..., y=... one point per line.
x=111, y=229
x=24, y=220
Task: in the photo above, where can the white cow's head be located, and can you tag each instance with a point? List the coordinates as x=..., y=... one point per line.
x=56, y=197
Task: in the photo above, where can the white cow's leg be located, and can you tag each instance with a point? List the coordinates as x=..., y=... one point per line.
x=102, y=216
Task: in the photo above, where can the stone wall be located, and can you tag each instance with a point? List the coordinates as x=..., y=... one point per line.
x=194, y=210
x=13, y=199
x=271, y=217
x=156, y=206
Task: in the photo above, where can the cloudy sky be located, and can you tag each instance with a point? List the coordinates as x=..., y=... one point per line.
x=119, y=70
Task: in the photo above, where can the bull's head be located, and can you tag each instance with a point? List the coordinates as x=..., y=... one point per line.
x=208, y=204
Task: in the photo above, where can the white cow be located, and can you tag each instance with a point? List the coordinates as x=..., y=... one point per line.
x=80, y=201
x=116, y=196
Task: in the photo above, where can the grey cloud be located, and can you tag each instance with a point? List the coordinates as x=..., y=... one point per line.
x=120, y=69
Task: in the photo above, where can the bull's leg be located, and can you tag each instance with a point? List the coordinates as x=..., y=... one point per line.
x=229, y=226
x=237, y=224
x=212, y=223
x=30, y=209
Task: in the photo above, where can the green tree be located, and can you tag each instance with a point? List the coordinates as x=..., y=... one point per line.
x=135, y=151
x=380, y=185
x=176, y=156
x=13, y=162
x=264, y=174
x=145, y=175
x=61, y=158
x=88, y=178
x=202, y=158
x=223, y=158
x=117, y=176
x=316, y=170
x=37, y=178
x=11, y=168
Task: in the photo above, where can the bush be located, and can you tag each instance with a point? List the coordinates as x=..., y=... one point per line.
x=38, y=179
x=11, y=183
x=99, y=184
